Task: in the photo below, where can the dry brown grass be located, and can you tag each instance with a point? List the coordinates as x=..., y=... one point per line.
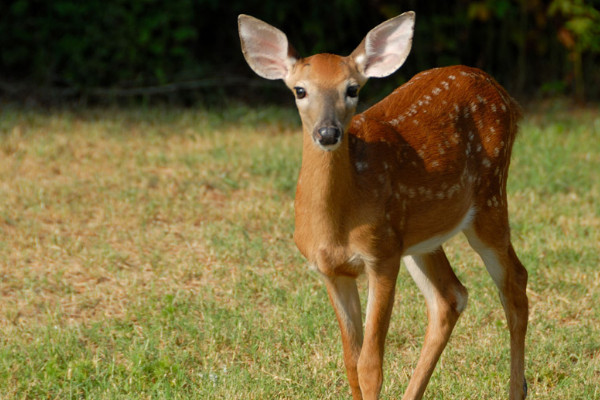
x=123, y=228
x=99, y=206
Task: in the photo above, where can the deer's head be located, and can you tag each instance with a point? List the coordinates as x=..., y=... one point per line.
x=326, y=86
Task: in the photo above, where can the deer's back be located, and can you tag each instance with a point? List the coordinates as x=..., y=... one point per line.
x=443, y=137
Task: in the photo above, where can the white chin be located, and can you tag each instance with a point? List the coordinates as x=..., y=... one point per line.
x=331, y=147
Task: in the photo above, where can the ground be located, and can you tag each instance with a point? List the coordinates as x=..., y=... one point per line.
x=148, y=253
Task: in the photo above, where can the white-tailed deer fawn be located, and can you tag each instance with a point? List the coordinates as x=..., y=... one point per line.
x=395, y=182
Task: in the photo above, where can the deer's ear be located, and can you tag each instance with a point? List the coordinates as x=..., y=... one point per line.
x=266, y=48
x=385, y=47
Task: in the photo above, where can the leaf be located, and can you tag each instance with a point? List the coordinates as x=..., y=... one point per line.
x=183, y=33
x=580, y=26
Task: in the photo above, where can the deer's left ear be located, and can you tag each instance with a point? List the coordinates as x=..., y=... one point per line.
x=385, y=47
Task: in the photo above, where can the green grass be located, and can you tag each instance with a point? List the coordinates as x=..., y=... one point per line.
x=148, y=253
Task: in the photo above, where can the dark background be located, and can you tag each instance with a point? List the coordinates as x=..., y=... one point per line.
x=188, y=52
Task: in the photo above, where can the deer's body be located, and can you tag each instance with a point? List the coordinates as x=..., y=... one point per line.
x=416, y=167
x=395, y=182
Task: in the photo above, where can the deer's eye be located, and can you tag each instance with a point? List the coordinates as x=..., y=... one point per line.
x=300, y=92
x=352, y=91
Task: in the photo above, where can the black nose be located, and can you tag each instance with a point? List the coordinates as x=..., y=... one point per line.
x=328, y=135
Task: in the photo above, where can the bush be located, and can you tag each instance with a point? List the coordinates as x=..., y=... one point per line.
x=87, y=46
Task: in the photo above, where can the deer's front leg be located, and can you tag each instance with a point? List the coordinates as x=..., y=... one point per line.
x=343, y=294
x=382, y=285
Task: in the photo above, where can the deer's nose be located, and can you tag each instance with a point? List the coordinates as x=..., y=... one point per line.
x=328, y=135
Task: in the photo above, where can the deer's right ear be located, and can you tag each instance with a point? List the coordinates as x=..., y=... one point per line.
x=266, y=48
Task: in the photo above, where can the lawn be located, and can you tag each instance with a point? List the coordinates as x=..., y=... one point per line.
x=147, y=253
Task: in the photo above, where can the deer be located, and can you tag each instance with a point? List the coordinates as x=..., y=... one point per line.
x=392, y=184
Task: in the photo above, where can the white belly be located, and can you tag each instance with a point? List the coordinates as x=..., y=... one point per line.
x=429, y=245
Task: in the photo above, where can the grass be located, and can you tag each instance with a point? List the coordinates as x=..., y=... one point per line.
x=148, y=253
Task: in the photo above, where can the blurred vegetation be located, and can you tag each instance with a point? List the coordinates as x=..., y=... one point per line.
x=188, y=50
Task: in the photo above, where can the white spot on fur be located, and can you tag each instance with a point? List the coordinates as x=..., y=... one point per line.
x=397, y=120
x=452, y=77
x=495, y=201
x=361, y=166
x=436, y=91
x=453, y=189
x=429, y=194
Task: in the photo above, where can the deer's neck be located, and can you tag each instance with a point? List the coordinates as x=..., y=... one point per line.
x=324, y=192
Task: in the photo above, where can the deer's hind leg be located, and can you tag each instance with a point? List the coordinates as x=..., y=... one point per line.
x=446, y=298
x=490, y=237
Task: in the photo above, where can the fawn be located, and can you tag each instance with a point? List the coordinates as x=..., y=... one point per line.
x=394, y=183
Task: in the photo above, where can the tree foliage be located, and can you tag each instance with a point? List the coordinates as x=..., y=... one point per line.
x=534, y=47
